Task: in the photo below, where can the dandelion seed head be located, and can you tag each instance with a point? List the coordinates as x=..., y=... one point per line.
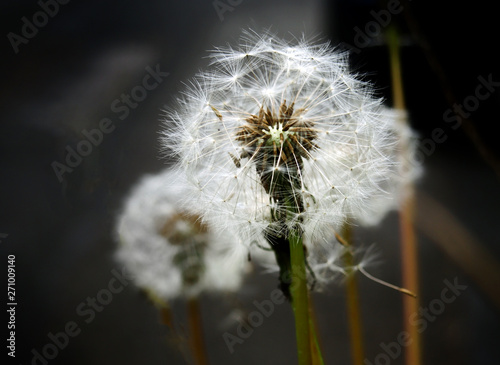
x=167, y=247
x=290, y=136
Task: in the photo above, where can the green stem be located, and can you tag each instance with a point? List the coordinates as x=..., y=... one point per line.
x=300, y=300
x=317, y=357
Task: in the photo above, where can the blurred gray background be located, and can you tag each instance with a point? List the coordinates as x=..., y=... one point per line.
x=64, y=77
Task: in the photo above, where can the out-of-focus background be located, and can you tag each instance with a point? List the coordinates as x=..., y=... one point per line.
x=69, y=67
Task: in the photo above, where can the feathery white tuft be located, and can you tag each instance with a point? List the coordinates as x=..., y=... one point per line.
x=168, y=250
x=273, y=106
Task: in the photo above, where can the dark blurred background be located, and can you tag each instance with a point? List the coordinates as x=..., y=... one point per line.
x=65, y=75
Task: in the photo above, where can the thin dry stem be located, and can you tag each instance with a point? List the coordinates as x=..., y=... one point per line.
x=352, y=290
x=196, y=332
x=408, y=237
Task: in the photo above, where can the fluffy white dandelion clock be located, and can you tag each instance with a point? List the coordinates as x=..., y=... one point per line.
x=278, y=135
x=167, y=248
x=402, y=171
x=281, y=144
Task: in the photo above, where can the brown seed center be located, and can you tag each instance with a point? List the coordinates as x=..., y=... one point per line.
x=274, y=139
